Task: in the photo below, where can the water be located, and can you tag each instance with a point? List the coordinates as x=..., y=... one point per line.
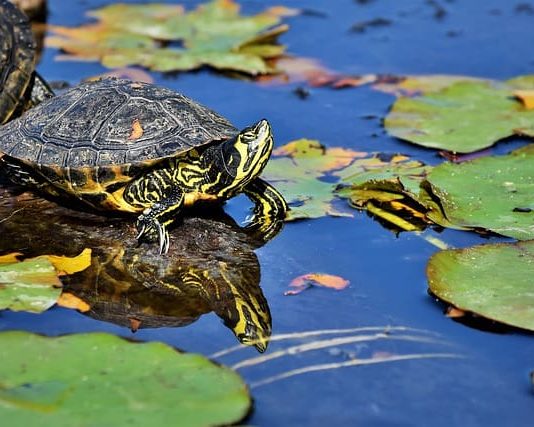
x=489, y=385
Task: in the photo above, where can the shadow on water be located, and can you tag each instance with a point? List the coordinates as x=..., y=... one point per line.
x=210, y=267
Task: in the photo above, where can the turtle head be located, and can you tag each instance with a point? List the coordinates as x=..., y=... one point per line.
x=245, y=155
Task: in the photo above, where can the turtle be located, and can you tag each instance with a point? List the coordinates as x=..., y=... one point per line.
x=123, y=146
x=20, y=86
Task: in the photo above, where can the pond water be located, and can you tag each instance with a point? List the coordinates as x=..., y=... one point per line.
x=489, y=384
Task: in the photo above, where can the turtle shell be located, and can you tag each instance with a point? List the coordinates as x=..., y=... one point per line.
x=111, y=122
x=17, y=58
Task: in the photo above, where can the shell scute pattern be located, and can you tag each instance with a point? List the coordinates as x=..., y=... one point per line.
x=91, y=124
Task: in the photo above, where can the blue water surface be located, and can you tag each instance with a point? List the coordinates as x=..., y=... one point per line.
x=489, y=385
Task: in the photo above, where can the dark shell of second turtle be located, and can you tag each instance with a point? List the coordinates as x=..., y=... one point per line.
x=17, y=58
x=112, y=122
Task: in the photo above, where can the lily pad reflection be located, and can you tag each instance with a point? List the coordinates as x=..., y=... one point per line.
x=211, y=266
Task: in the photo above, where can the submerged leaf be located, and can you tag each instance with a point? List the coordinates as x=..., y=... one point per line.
x=213, y=34
x=493, y=281
x=464, y=117
x=118, y=383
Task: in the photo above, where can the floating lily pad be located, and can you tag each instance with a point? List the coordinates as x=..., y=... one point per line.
x=493, y=281
x=463, y=117
x=298, y=170
x=30, y=285
x=494, y=193
x=214, y=34
x=101, y=380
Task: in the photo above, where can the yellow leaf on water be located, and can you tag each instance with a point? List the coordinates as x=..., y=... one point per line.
x=68, y=300
x=68, y=265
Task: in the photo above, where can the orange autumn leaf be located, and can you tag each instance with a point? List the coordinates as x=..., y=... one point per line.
x=135, y=324
x=454, y=313
x=69, y=300
x=301, y=283
x=526, y=97
x=137, y=130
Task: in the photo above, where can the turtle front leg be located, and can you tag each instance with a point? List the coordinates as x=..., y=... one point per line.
x=270, y=209
x=152, y=223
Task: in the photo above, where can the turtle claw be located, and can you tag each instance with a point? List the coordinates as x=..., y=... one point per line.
x=152, y=229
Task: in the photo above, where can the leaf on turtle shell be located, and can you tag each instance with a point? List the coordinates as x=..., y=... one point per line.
x=526, y=97
x=464, y=116
x=301, y=283
x=165, y=37
x=493, y=281
x=31, y=285
x=138, y=384
x=493, y=193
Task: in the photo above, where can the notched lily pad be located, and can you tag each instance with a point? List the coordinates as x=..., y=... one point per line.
x=168, y=38
x=493, y=281
x=44, y=382
x=494, y=193
x=464, y=116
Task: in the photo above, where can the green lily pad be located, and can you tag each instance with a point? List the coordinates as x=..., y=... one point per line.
x=214, y=34
x=495, y=193
x=493, y=281
x=101, y=380
x=464, y=117
x=31, y=285
x=298, y=169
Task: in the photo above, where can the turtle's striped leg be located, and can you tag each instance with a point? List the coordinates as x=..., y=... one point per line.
x=152, y=223
x=269, y=210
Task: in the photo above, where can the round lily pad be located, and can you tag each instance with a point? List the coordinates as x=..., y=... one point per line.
x=493, y=281
x=464, y=117
x=101, y=380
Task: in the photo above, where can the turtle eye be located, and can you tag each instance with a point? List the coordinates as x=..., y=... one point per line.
x=248, y=136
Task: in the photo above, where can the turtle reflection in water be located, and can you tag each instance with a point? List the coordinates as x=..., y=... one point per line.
x=212, y=267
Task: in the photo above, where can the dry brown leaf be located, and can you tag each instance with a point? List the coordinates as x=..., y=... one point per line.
x=454, y=312
x=301, y=283
x=68, y=300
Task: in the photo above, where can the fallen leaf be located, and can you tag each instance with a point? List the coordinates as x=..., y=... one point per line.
x=70, y=265
x=134, y=324
x=68, y=300
x=526, y=97
x=10, y=258
x=214, y=34
x=454, y=313
x=301, y=283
